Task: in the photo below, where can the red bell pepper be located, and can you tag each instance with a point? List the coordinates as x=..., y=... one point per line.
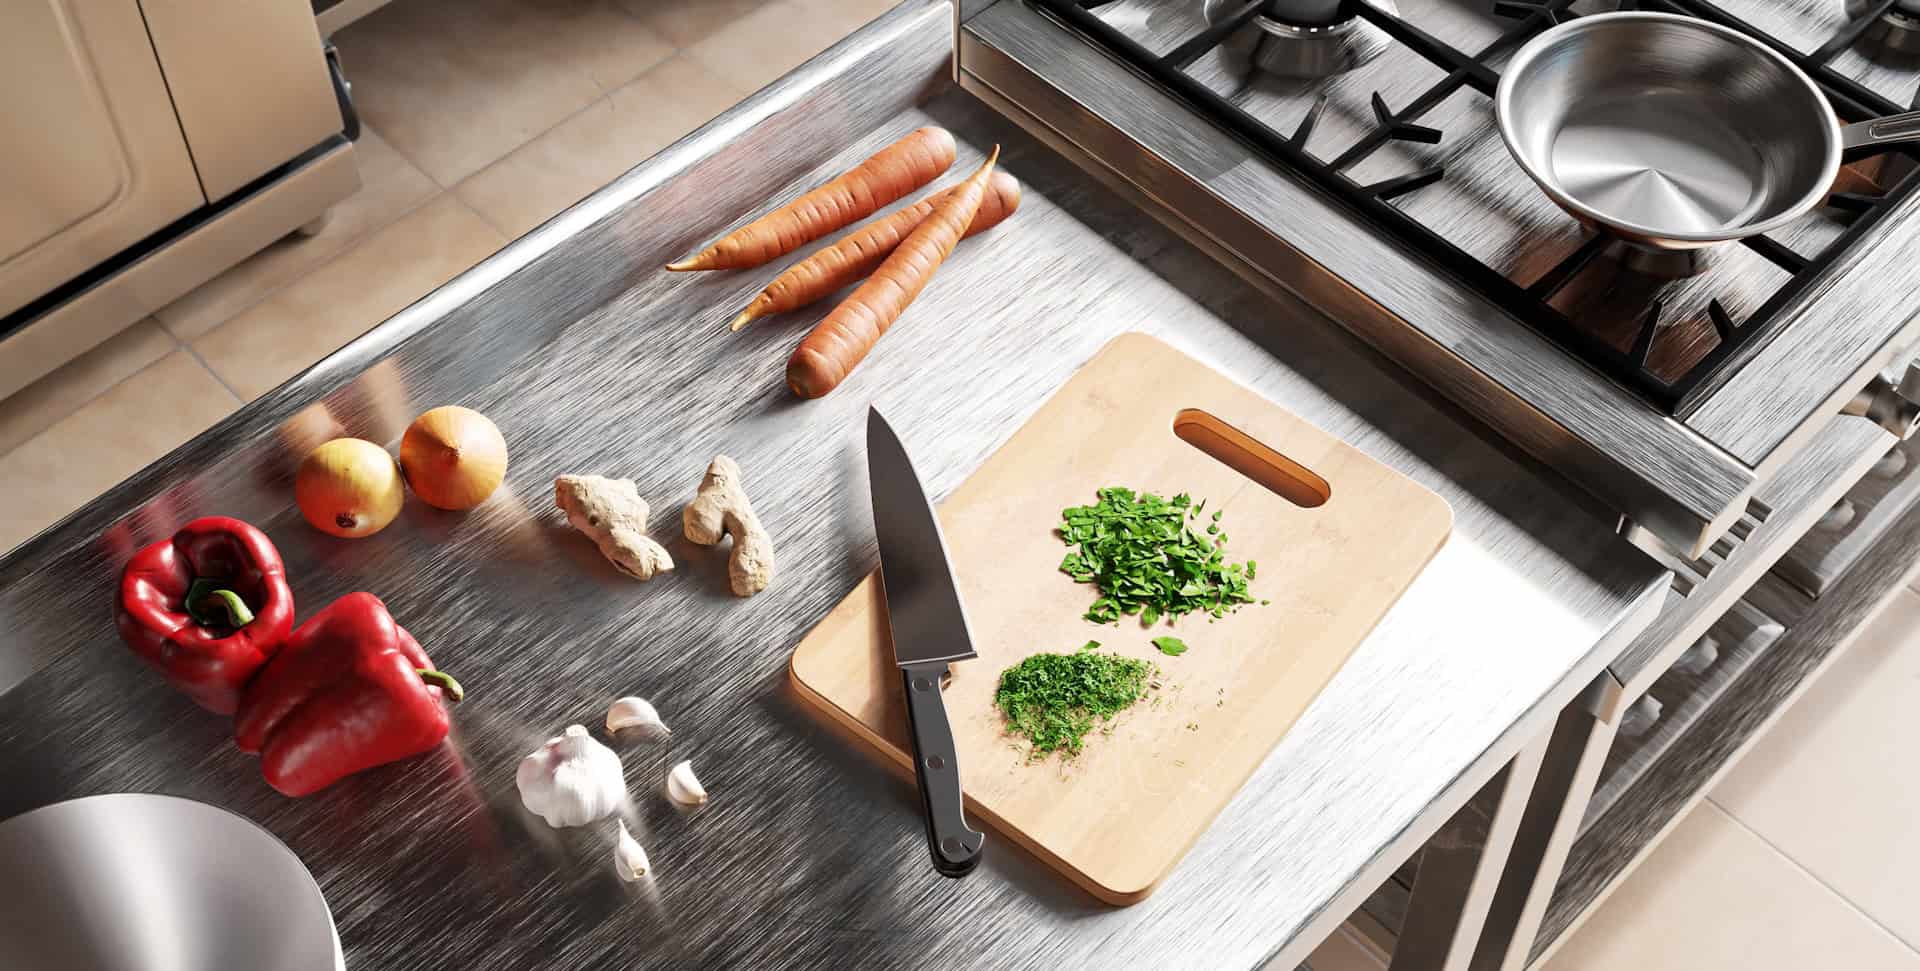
x=206, y=608
x=350, y=690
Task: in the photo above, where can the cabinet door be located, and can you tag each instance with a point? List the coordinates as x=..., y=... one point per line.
x=249, y=83
x=91, y=155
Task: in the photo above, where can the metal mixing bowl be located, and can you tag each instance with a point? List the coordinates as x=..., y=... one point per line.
x=135, y=882
x=1669, y=132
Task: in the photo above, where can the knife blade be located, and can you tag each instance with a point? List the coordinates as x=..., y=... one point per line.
x=930, y=631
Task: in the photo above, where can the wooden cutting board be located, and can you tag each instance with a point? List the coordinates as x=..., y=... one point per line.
x=1337, y=538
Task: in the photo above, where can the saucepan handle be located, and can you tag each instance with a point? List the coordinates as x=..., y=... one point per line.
x=1864, y=136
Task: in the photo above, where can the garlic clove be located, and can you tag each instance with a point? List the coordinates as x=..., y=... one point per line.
x=639, y=715
x=683, y=787
x=629, y=857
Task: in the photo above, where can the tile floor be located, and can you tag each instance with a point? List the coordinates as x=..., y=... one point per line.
x=485, y=117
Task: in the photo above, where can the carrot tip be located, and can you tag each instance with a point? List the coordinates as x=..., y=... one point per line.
x=683, y=266
x=746, y=316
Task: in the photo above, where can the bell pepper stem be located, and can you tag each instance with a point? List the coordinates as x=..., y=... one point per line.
x=444, y=681
x=206, y=591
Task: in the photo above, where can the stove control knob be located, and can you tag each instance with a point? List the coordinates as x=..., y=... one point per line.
x=1909, y=387
x=1885, y=405
x=1839, y=516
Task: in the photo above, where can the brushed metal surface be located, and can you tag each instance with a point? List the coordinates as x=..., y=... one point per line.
x=1848, y=327
x=248, y=83
x=809, y=855
x=1607, y=440
x=1795, y=499
x=1805, y=25
x=135, y=882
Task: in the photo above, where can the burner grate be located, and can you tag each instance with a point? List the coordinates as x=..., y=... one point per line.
x=1737, y=339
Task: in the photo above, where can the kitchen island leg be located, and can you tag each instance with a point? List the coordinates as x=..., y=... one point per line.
x=1575, y=751
x=1461, y=867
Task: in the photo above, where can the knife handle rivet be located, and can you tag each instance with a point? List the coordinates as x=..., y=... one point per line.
x=922, y=684
x=952, y=846
x=936, y=762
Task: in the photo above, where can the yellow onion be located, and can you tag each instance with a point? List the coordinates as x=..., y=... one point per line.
x=349, y=487
x=453, y=457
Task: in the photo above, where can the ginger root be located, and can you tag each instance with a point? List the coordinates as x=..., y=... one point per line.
x=613, y=514
x=722, y=508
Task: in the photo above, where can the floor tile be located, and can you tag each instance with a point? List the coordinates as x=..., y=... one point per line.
x=850, y=15
x=686, y=22
x=757, y=49
x=390, y=187
x=1832, y=784
x=457, y=84
x=594, y=147
x=111, y=437
x=257, y=350
x=1715, y=897
x=30, y=411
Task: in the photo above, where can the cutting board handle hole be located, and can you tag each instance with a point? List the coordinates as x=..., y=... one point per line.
x=1245, y=454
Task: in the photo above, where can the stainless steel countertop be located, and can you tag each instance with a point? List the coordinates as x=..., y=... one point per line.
x=810, y=855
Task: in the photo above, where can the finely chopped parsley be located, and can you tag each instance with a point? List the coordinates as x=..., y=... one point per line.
x=1054, y=700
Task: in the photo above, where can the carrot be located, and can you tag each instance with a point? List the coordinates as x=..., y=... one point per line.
x=852, y=258
x=890, y=174
x=834, y=348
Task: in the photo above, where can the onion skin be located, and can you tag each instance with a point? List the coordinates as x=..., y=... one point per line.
x=349, y=487
x=453, y=457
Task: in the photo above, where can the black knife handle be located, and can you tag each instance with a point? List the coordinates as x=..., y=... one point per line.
x=955, y=848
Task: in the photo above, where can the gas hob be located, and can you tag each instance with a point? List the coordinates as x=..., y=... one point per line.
x=1349, y=151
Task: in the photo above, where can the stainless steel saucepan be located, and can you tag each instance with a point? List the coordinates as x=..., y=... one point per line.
x=1673, y=133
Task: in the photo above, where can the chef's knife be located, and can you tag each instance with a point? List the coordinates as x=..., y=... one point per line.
x=929, y=631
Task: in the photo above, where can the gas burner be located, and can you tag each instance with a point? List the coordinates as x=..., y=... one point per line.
x=1898, y=29
x=1303, y=39
x=1659, y=264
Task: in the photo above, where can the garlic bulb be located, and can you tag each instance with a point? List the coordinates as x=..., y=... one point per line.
x=629, y=857
x=683, y=787
x=637, y=714
x=572, y=780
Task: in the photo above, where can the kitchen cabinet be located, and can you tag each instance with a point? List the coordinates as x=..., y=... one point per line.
x=95, y=160
x=151, y=145
x=287, y=103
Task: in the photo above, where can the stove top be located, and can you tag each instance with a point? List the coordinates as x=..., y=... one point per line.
x=1389, y=107
x=1348, y=152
